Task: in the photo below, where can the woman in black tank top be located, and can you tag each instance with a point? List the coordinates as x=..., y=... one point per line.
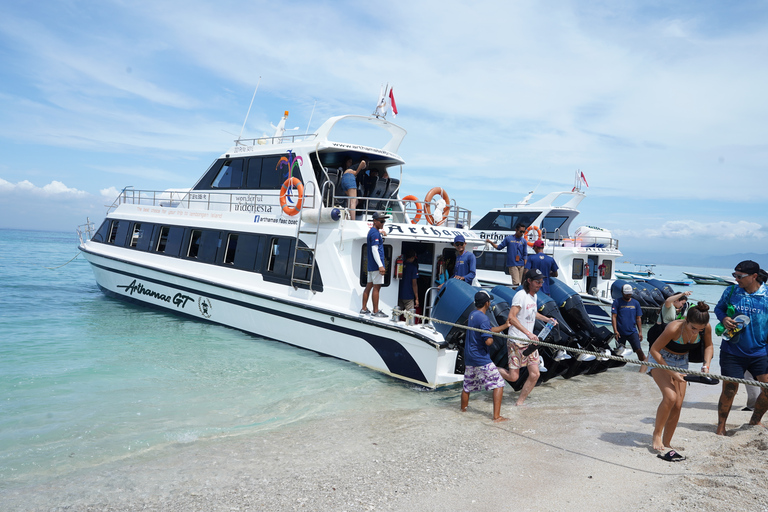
x=671, y=349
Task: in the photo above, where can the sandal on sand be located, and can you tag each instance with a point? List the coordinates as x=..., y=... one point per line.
x=671, y=456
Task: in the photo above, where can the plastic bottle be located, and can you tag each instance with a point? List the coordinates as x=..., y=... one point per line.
x=546, y=330
x=730, y=312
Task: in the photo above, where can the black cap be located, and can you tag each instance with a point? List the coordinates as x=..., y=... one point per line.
x=534, y=274
x=379, y=216
x=748, y=267
x=482, y=297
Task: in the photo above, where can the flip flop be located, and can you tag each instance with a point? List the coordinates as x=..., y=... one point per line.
x=671, y=456
x=700, y=379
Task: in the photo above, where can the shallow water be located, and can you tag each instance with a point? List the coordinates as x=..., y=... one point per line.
x=86, y=379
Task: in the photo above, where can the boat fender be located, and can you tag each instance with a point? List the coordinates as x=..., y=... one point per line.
x=538, y=231
x=439, y=218
x=419, y=207
x=286, y=196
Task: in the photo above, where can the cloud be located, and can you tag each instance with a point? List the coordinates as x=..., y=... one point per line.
x=54, y=189
x=690, y=229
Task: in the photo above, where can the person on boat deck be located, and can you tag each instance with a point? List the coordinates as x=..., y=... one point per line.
x=349, y=182
x=626, y=317
x=480, y=374
x=465, y=267
x=671, y=348
x=543, y=262
x=746, y=351
x=522, y=318
x=675, y=307
x=376, y=269
x=517, y=252
x=408, y=294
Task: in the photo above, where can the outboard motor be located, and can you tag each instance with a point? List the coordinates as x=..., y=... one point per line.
x=663, y=287
x=655, y=296
x=454, y=303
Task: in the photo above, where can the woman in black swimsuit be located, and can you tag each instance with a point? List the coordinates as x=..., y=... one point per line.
x=671, y=349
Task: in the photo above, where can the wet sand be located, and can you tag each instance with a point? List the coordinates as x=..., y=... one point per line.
x=564, y=451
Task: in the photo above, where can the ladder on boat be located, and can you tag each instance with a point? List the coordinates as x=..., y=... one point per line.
x=306, y=264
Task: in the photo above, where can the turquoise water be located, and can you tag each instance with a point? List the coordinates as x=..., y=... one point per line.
x=86, y=379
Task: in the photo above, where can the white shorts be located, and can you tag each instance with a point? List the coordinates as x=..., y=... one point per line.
x=375, y=277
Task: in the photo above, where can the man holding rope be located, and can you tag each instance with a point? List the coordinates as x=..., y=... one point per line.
x=747, y=349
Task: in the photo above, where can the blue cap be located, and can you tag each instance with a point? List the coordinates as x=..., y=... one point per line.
x=459, y=238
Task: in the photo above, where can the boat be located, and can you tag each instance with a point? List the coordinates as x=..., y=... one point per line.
x=265, y=242
x=586, y=258
x=710, y=279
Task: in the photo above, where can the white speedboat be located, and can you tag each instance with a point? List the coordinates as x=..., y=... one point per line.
x=264, y=242
x=586, y=258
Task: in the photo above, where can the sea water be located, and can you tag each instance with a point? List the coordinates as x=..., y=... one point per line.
x=86, y=379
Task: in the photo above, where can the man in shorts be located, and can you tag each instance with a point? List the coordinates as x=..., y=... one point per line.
x=480, y=374
x=517, y=252
x=746, y=351
x=627, y=320
x=376, y=269
x=522, y=318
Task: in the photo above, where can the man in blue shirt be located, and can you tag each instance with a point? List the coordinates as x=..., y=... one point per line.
x=480, y=374
x=543, y=262
x=376, y=270
x=626, y=317
x=747, y=349
x=517, y=252
x=465, y=267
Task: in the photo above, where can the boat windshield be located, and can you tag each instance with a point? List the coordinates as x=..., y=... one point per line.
x=505, y=221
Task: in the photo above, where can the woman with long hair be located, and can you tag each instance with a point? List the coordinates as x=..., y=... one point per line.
x=671, y=348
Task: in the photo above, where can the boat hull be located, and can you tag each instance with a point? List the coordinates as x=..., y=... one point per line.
x=389, y=347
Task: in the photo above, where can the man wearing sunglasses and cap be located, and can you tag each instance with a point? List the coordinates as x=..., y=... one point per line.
x=517, y=252
x=376, y=269
x=465, y=267
x=746, y=351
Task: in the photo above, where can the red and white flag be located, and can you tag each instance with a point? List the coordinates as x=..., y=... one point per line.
x=584, y=179
x=392, y=102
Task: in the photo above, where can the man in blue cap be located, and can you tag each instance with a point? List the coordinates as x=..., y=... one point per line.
x=466, y=264
x=376, y=269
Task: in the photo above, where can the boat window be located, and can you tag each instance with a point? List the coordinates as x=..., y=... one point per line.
x=272, y=177
x=170, y=239
x=118, y=232
x=162, y=240
x=364, y=265
x=279, y=255
x=578, y=268
x=194, y=243
x=102, y=234
x=487, y=260
x=136, y=234
x=242, y=251
x=504, y=221
x=551, y=223
x=230, y=175
x=113, y=231
x=253, y=178
x=607, y=270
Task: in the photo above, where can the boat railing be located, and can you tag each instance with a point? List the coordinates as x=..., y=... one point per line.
x=402, y=211
x=282, y=139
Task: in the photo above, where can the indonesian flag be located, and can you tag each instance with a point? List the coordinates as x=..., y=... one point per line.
x=392, y=102
x=582, y=174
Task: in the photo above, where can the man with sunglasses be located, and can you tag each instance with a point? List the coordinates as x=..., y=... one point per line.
x=465, y=267
x=517, y=252
x=747, y=350
x=376, y=269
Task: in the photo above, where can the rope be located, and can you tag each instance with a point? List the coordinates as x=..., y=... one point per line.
x=70, y=261
x=601, y=355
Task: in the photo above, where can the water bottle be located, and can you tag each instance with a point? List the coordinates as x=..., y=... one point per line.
x=546, y=330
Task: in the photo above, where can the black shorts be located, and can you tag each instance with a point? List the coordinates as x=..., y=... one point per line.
x=633, y=339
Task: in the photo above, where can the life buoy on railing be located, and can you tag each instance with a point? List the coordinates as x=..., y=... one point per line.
x=419, y=208
x=428, y=209
x=286, y=196
x=538, y=231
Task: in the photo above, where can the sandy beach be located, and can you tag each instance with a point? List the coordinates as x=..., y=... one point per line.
x=592, y=453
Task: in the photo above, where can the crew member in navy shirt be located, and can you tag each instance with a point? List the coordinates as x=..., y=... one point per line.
x=545, y=263
x=626, y=317
x=517, y=252
x=376, y=269
x=466, y=264
x=409, y=285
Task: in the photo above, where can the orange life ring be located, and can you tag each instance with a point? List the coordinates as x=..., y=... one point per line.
x=538, y=231
x=428, y=209
x=285, y=195
x=419, y=208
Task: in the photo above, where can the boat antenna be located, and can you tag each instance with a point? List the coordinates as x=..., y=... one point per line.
x=310, y=116
x=249, y=109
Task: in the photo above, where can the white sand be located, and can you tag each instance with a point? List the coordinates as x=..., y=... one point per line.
x=592, y=453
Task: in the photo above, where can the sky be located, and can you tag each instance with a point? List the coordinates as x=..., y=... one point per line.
x=661, y=104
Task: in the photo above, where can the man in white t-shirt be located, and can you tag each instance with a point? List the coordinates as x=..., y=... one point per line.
x=522, y=318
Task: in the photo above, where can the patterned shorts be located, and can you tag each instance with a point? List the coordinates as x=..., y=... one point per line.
x=482, y=378
x=516, y=358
